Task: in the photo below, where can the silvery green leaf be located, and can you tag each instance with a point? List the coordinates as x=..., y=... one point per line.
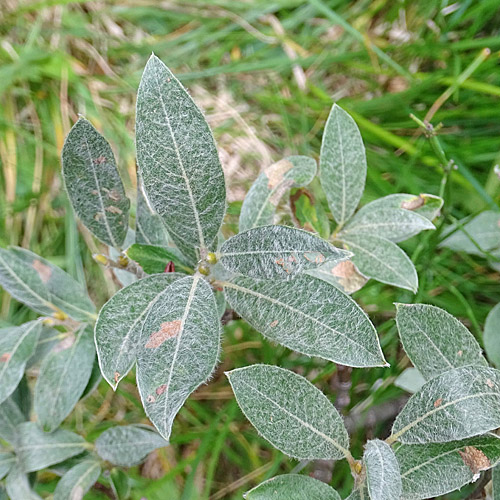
x=94, y=380
x=124, y=277
x=431, y=470
x=459, y=403
x=266, y=192
x=3, y=493
x=342, y=164
x=7, y=460
x=18, y=486
x=120, y=483
x=17, y=345
x=344, y=275
x=382, y=260
x=77, y=481
x=10, y=417
x=427, y=205
x=411, y=380
x=434, y=340
x=43, y=286
x=484, y=229
x=394, y=224
x=37, y=449
x=180, y=347
x=128, y=445
x=292, y=487
x=119, y=325
x=491, y=336
x=307, y=315
x=178, y=161
x=48, y=339
x=360, y=493
x=382, y=471
x=63, y=377
x=288, y=411
x=277, y=252
x=495, y=483
x=149, y=226
x=94, y=186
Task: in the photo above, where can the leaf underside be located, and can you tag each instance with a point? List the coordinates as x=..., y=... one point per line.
x=77, y=481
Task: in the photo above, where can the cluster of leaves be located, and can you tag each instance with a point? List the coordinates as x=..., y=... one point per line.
x=289, y=284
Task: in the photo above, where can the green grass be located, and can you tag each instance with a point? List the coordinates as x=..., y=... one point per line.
x=381, y=60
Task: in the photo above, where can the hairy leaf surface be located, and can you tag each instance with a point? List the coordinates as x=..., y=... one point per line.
x=277, y=252
x=411, y=380
x=434, y=340
x=342, y=164
x=18, y=486
x=288, y=411
x=63, y=377
x=382, y=260
x=128, y=445
x=459, y=403
x=360, y=493
x=344, y=275
x=178, y=160
x=7, y=460
x=495, y=483
x=10, y=417
x=382, y=471
x=308, y=315
x=94, y=186
x=17, y=345
x=292, y=487
x=266, y=192
x=37, y=449
x=491, y=336
x=179, y=348
x=77, y=481
x=432, y=470
x=119, y=325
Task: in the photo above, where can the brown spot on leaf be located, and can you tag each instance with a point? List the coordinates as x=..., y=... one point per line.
x=292, y=258
x=275, y=172
x=43, y=270
x=98, y=216
x=161, y=389
x=316, y=257
x=94, y=192
x=475, y=459
x=273, y=323
x=438, y=402
x=150, y=399
x=489, y=383
x=100, y=160
x=5, y=357
x=349, y=276
x=117, y=376
x=414, y=203
x=167, y=330
x=459, y=353
x=114, y=210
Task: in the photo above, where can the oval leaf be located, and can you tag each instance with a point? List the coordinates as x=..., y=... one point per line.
x=308, y=315
x=382, y=260
x=63, y=377
x=288, y=411
x=119, y=325
x=342, y=164
x=180, y=346
x=10, y=417
x=265, y=193
x=178, y=160
x=128, y=445
x=77, y=481
x=431, y=470
x=492, y=336
x=277, y=252
x=292, y=487
x=94, y=186
x=434, y=340
x=460, y=403
x=382, y=471
x=17, y=345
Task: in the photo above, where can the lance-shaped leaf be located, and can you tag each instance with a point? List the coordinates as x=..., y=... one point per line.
x=119, y=325
x=77, y=481
x=7, y=460
x=63, y=377
x=459, y=403
x=64, y=291
x=491, y=336
x=382, y=471
x=292, y=487
x=434, y=340
x=288, y=411
x=120, y=483
x=427, y=205
x=411, y=380
x=37, y=449
x=382, y=260
x=394, y=224
x=266, y=192
x=342, y=164
x=128, y=445
x=180, y=346
x=484, y=229
x=344, y=275
x=308, y=315
x=431, y=470
x=178, y=161
x=155, y=259
x=18, y=486
x=94, y=186
x=49, y=337
x=10, y=417
x=277, y=252
x=17, y=345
